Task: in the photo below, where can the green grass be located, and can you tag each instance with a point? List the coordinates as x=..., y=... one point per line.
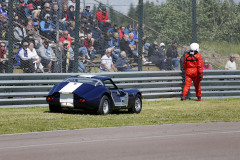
x=222, y=48
x=37, y=119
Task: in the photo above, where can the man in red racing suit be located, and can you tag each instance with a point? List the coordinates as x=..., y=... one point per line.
x=193, y=64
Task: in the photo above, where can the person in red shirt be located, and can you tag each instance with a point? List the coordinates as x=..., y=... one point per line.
x=66, y=39
x=193, y=64
x=3, y=57
x=103, y=19
x=121, y=32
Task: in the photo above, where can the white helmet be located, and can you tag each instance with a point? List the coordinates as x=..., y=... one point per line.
x=162, y=44
x=194, y=47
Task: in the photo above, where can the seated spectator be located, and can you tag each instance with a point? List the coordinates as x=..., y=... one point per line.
x=172, y=57
x=47, y=55
x=4, y=30
x=87, y=13
x=87, y=29
x=128, y=30
x=103, y=19
x=46, y=27
x=88, y=43
x=206, y=65
x=72, y=3
x=35, y=58
x=122, y=63
x=46, y=10
x=29, y=12
x=25, y=59
x=97, y=36
x=107, y=63
x=19, y=33
x=65, y=38
x=132, y=44
x=64, y=17
x=121, y=32
x=3, y=58
x=112, y=30
x=3, y=10
x=54, y=29
x=231, y=64
x=125, y=46
x=36, y=13
x=71, y=13
x=157, y=55
x=71, y=30
x=114, y=43
x=54, y=11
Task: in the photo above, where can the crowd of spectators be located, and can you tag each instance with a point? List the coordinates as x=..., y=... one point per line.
x=44, y=30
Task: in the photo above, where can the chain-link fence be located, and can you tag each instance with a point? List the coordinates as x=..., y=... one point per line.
x=41, y=35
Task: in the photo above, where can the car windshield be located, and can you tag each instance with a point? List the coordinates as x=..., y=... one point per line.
x=92, y=81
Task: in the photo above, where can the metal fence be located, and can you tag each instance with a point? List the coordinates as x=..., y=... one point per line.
x=59, y=37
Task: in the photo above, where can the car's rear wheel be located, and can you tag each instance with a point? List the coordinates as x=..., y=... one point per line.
x=55, y=108
x=104, y=106
x=137, y=107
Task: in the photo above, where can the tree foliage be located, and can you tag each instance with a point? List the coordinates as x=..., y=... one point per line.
x=217, y=20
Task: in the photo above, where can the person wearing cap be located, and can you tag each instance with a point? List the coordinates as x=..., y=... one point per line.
x=87, y=13
x=3, y=10
x=49, y=58
x=231, y=64
x=103, y=19
x=111, y=30
x=26, y=61
x=44, y=11
x=29, y=12
x=128, y=30
x=172, y=57
x=206, y=65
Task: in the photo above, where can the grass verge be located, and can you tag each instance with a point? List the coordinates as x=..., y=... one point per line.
x=37, y=119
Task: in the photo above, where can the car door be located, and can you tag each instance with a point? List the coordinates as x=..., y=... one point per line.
x=119, y=97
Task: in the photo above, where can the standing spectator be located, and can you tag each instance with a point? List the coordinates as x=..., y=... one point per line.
x=87, y=13
x=49, y=59
x=172, y=57
x=3, y=57
x=193, y=64
x=107, y=63
x=231, y=64
x=157, y=55
x=122, y=63
x=25, y=59
x=115, y=45
x=206, y=65
x=35, y=58
x=103, y=19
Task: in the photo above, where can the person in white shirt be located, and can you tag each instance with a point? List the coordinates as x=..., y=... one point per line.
x=231, y=64
x=107, y=63
x=35, y=58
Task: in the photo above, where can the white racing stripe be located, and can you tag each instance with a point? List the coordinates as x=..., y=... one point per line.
x=70, y=87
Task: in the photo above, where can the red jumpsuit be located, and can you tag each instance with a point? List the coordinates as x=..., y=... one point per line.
x=193, y=64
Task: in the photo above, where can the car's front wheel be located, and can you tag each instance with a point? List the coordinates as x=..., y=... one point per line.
x=137, y=107
x=55, y=108
x=104, y=106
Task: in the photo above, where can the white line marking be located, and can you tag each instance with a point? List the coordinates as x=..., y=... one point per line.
x=70, y=87
x=117, y=139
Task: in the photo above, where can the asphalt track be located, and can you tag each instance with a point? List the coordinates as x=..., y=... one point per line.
x=208, y=141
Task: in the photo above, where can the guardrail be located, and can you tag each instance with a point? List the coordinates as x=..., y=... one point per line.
x=29, y=90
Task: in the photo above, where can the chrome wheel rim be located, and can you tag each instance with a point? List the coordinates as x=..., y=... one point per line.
x=137, y=104
x=105, y=107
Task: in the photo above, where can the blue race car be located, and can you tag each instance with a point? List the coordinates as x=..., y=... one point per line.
x=93, y=93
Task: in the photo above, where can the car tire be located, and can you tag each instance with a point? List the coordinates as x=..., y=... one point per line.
x=55, y=108
x=104, y=106
x=137, y=107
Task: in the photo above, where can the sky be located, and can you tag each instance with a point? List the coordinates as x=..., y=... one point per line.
x=123, y=5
